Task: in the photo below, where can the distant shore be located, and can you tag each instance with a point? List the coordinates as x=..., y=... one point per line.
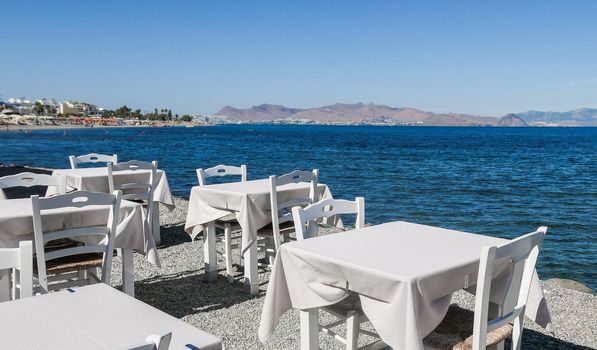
x=26, y=128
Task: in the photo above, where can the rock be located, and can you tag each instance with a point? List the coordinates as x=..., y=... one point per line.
x=569, y=284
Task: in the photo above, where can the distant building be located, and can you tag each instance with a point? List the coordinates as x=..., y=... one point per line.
x=20, y=105
x=77, y=108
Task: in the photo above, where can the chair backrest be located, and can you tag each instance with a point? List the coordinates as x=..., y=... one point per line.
x=92, y=158
x=222, y=170
x=306, y=219
x=155, y=342
x=105, y=233
x=28, y=179
x=522, y=252
x=281, y=212
x=21, y=259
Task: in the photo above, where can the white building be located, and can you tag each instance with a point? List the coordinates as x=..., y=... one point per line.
x=77, y=108
x=20, y=105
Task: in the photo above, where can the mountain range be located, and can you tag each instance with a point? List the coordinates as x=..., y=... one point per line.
x=359, y=113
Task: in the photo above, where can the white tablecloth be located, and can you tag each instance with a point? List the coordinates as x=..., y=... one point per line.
x=16, y=224
x=404, y=274
x=249, y=200
x=92, y=317
x=96, y=180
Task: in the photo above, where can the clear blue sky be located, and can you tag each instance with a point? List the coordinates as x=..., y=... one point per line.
x=475, y=57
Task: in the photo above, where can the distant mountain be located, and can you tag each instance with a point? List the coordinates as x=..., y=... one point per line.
x=360, y=113
x=264, y=112
x=577, y=117
x=511, y=120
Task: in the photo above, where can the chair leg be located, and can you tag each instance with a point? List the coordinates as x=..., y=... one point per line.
x=228, y=252
x=517, y=332
x=352, y=330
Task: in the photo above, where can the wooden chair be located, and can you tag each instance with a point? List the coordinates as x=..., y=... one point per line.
x=221, y=170
x=20, y=262
x=464, y=329
x=226, y=223
x=282, y=225
x=349, y=310
x=155, y=342
x=92, y=158
x=74, y=264
x=141, y=191
x=28, y=179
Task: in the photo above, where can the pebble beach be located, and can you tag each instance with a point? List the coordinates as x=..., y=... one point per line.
x=228, y=312
x=225, y=310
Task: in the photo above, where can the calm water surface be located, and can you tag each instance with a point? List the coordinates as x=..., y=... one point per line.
x=496, y=181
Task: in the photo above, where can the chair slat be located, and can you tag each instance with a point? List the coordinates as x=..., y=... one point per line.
x=76, y=232
x=92, y=158
x=84, y=249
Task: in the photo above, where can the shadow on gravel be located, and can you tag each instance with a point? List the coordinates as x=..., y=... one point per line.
x=173, y=235
x=22, y=192
x=535, y=340
x=187, y=293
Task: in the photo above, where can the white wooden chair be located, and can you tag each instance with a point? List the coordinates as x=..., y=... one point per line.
x=465, y=329
x=20, y=262
x=221, y=170
x=226, y=223
x=71, y=265
x=28, y=179
x=155, y=342
x=138, y=191
x=349, y=310
x=92, y=158
x=282, y=224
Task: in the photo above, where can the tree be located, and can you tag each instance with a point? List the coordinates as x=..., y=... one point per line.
x=122, y=112
x=169, y=116
x=186, y=118
x=38, y=109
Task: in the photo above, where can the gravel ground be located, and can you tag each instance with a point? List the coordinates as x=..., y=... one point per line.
x=226, y=311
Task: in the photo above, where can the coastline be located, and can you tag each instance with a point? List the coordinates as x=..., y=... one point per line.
x=28, y=128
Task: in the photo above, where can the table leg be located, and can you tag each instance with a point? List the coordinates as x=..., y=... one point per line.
x=128, y=272
x=251, y=277
x=309, y=329
x=4, y=285
x=209, y=252
x=155, y=224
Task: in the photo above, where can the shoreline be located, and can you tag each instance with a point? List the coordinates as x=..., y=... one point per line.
x=27, y=128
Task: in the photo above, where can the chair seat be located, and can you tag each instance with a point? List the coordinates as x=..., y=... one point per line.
x=73, y=263
x=269, y=231
x=230, y=218
x=341, y=308
x=455, y=332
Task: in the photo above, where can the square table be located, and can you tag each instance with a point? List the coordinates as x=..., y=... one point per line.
x=16, y=224
x=92, y=317
x=404, y=274
x=96, y=180
x=250, y=202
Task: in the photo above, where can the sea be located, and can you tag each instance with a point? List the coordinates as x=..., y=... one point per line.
x=496, y=181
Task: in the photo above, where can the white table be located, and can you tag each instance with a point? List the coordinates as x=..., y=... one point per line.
x=92, y=317
x=404, y=274
x=96, y=180
x=16, y=224
x=250, y=202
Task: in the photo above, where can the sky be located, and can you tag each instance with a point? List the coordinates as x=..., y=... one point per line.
x=476, y=57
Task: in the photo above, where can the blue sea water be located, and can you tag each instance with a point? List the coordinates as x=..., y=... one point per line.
x=496, y=181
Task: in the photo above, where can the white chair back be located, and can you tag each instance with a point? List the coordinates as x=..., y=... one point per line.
x=92, y=158
x=281, y=212
x=78, y=199
x=522, y=253
x=306, y=219
x=221, y=170
x=20, y=260
x=28, y=179
x=155, y=342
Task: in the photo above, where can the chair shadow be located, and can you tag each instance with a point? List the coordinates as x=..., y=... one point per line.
x=172, y=235
x=536, y=340
x=187, y=293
